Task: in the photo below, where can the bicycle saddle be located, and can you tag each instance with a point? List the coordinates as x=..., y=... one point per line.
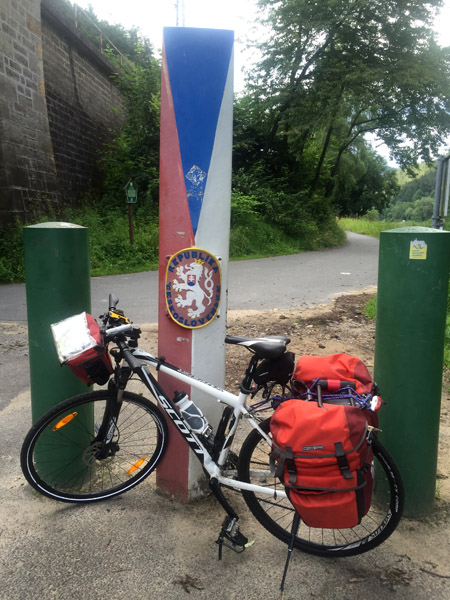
x=266, y=347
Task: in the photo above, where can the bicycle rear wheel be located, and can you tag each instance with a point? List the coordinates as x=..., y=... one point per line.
x=61, y=458
x=276, y=514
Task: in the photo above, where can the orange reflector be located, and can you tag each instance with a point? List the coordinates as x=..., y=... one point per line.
x=136, y=466
x=64, y=421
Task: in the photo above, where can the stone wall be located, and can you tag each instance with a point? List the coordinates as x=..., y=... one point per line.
x=58, y=105
x=27, y=168
x=83, y=103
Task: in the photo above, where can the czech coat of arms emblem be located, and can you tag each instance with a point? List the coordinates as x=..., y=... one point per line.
x=192, y=287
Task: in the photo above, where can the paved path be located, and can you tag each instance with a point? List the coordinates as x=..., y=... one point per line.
x=263, y=284
x=143, y=545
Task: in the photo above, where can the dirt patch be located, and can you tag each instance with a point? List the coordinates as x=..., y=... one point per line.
x=325, y=329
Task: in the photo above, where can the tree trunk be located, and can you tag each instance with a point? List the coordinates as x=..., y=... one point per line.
x=315, y=181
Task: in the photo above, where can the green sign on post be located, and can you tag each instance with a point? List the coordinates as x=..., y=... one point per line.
x=131, y=192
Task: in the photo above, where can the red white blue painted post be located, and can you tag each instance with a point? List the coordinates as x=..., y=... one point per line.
x=195, y=199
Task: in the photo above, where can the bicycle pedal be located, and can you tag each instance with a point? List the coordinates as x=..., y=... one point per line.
x=230, y=533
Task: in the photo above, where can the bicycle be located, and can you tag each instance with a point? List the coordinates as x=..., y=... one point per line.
x=108, y=441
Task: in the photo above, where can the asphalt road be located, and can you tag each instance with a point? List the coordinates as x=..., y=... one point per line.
x=282, y=282
x=262, y=284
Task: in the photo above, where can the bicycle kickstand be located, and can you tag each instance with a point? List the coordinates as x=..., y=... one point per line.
x=295, y=524
x=230, y=531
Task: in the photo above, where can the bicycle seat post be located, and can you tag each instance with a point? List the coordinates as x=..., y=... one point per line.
x=246, y=385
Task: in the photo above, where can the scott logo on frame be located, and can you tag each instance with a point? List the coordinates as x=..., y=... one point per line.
x=193, y=286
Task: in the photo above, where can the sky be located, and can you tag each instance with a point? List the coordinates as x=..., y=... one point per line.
x=150, y=16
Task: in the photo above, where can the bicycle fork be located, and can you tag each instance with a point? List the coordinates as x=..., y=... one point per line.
x=107, y=428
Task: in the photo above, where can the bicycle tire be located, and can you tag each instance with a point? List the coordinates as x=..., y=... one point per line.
x=63, y=463
x=276, y=514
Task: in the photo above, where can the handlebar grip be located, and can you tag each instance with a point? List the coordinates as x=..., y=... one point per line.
x=113, y=301
x=133, y=362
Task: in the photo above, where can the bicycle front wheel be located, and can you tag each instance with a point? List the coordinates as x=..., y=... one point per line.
x=276, y=514
x=62, y=459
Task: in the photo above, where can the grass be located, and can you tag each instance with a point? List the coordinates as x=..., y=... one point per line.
x=374, y=228
x=259, y=241
x=370, y=308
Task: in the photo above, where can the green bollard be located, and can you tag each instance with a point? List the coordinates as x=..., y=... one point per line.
x=413, y=278
x=57, y=286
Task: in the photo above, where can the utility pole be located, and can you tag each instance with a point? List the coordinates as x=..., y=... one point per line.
x=179, y=5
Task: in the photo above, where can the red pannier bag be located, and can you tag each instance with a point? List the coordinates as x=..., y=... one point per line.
x=338, y=370
x=80, y=346
x=323, y=456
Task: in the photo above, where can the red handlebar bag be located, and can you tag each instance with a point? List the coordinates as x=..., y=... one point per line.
x=323, y=456
x=80, y=346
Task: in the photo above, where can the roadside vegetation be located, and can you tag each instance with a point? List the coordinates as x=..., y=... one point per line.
x=365, y=226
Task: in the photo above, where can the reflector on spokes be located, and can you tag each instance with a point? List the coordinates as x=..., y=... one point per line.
x=64, y=421
x=136, y=466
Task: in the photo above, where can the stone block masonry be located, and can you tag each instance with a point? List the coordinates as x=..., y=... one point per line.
x=27, y=169
x=58, y=105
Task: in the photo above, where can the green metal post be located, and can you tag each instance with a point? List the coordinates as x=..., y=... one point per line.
x=57, y=287
x=411, y=314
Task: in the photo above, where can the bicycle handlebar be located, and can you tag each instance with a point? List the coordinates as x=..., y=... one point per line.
x=133, y=362
x=110, y=334
x=113, y=301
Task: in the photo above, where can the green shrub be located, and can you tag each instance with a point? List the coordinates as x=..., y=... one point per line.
x=243, y=208
x=109, y=244
x=372, y=215
x=11, y=254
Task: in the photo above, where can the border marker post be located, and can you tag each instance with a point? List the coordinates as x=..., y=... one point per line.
x=195, y=200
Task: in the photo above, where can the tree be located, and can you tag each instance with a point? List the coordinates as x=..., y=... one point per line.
x=423, y=185
x=134, y=153
x=369, y=184
x=335, y=70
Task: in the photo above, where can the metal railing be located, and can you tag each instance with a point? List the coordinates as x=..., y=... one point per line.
x=77, y=9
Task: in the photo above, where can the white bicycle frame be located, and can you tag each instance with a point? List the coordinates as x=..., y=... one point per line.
x=237, y=403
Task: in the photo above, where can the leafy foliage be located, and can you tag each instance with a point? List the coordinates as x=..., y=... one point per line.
x=420, y=187
x=335, y=70
x=109, y=244
x=11, y=254
x=415, y=200
x=134, y=153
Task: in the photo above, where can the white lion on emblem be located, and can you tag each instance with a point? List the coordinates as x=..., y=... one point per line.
x=190, y=282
